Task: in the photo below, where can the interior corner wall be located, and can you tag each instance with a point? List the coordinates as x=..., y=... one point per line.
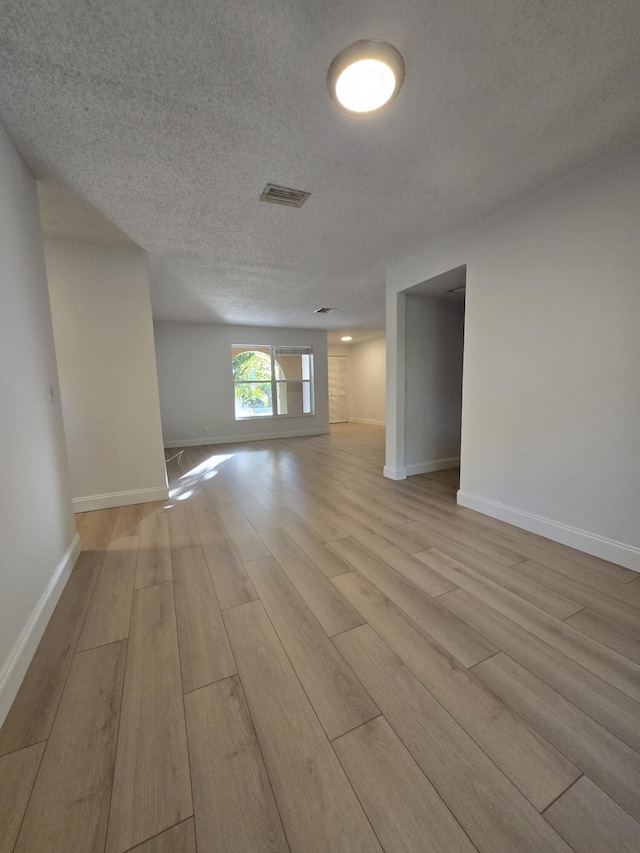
x=433, y=398
x=367, y=381
x=551, y=409
x=38, y=542
x=103, y=330
x=196, y=383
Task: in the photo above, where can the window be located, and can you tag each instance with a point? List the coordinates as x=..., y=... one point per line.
x=270, y=381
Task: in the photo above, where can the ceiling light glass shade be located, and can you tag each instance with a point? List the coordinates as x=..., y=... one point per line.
x=346, y=338
x=365, y=76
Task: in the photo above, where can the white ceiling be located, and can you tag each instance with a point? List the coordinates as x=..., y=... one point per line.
x=170, y=117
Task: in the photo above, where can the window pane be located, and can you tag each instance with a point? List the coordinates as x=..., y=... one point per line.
x=294, y=398
x=253, y=399
x=251, y=364
x=293, y=363
x=289, y=367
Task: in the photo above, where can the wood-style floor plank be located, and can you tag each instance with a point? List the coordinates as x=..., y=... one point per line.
x=182, y=527
x=152, y=788
x=607, y=761
x=467, y=780
x=319, y=810
x=327, y=508
x=421, y=510
x=462, y=642
x=321, y=525
x=313, y=545
x=153, y=508
x=81, y=520
x=266, y=498
x=620, y=639
x=414, y=570
x=127, y=521
x=260, y=518
x=203, y=507
x=31, y=716
x=602, y=661
x=404, y=808
x=615, y=711
x=337, y=696
x=329, y=607
x=591, y=822
x=538, y=770
x=69, y=805
x=96, y=536
x=526, y=588
x=614, y=610
x=375, y=535
x=205, y=653
x=602, y=577
x=229, y=576
x=618, y=573
x=245, y=539
x=154, y=555
x=367, y=507
x=180, y=838
x=440, y=532
x=17, y=774
x=233, y=801
x=109, y=612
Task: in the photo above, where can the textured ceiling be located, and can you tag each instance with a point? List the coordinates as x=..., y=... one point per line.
x=169, y=117
x=66, y=217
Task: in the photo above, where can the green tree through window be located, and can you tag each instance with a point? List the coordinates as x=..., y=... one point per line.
x=252, y=380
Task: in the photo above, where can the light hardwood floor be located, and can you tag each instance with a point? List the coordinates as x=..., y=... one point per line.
x=295, y=654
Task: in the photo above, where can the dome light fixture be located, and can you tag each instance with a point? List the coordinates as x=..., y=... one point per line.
x=366, y=76
x=346, y=338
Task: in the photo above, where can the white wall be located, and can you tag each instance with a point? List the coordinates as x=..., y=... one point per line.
x=551, y=407
x=367, y=368
x=103, y=331
x=339, y=349
x=433, y=381
x=38, y=544
x=196, y=383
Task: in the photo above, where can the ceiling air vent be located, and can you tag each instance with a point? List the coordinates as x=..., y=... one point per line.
x=323, y=310
x=284, y=195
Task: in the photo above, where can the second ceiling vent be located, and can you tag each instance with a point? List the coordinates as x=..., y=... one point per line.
x=284, y=195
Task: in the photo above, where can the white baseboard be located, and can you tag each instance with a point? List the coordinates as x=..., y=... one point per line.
x=394, y=473
x=599, y=546
x=14, y=668
x=238, y=439
x=434, y=465
x=366, y=421
x=136, y=496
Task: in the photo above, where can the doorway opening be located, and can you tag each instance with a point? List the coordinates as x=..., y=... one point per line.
x=430, y=350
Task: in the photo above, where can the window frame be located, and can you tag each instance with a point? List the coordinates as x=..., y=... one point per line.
x=274, y=382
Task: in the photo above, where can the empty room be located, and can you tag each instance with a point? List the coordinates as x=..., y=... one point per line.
x=320, y=525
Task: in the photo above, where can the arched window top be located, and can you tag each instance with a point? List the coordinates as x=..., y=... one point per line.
x=251, y=365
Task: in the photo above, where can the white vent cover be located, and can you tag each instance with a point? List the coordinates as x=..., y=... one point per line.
x=284, y=195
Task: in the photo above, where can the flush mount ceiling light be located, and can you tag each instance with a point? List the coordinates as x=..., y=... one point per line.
x=346, y=338
x=365, y=76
